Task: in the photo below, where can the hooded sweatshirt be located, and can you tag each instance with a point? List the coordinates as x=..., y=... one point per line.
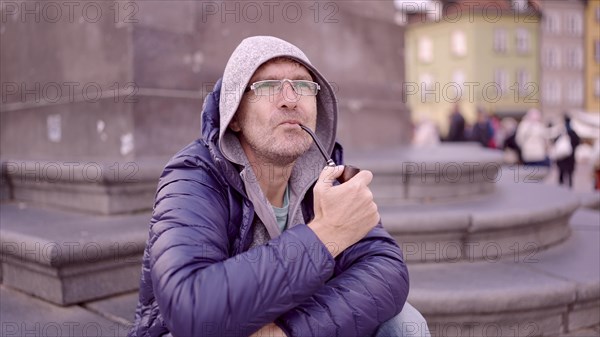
x=206, y=272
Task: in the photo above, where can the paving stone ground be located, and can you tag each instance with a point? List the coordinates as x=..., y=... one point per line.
x=583, y=180
x=24, y=315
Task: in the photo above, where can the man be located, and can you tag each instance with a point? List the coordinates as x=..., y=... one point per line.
x=456, y=132
x=482, y=131
x=250, y=235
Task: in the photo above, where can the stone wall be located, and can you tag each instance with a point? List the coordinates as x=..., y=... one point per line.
x=124, y=80
x=106, y=86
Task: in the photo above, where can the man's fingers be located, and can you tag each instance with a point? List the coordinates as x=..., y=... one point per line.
x=364, y=177
x=330, y=173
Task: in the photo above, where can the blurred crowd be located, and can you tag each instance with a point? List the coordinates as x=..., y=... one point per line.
x=529, y=141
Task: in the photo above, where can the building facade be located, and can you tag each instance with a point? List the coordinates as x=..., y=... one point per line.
x=562, y=58
x=475, y=54
x=592, y=59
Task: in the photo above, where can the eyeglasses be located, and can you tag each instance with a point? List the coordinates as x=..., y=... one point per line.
x=273, y=87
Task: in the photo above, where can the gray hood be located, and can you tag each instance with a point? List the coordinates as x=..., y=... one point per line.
x=245, y=60
x=243, y=63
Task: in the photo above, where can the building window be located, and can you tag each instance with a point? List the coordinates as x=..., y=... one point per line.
x=574, y=24
x=428, y=88
x=546, y=97
x=551, y=94
x=556, y=59
x=458, y=78
x=425, y=50
x=597, y=86
x=575, y=92
x=552, y=23
x=523, y=81
x=459, y=43
x=574, y=58
x=597, y=51
x=546, y=54
x=501, y=79
x=551, y=57
x=522, y=41
x=500, y=40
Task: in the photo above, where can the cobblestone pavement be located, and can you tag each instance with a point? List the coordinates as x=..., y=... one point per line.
x=583, y=180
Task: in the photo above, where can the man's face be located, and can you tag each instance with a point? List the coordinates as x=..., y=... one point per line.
x=268, y=126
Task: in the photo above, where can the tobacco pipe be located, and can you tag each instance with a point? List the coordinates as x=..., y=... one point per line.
x=349, y=170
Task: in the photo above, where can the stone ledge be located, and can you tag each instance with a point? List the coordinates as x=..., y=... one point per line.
x=27, y=248
x=584, y=315
x=72, y=284
x=516, y=219
x=555, y=291
x=485, y=288
x=68, y=258
x=543, y=322
x=390, y=159
x=98, y=187
x=577, y=260
x=444, y=172
x=527, y=203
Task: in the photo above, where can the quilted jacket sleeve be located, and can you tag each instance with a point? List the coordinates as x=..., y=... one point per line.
x=200, y=290
x=369, y=286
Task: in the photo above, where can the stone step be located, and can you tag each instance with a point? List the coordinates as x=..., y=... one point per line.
x=444, y=172
x=538, y=293
x=526, y=295
x=92, y=186
x=67, y=257
x=515, y=219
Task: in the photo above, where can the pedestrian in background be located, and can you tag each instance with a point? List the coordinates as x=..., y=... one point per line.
x=456, y=133
x=426, y=134
x=482, y=131
x=566, y=164
x=512, y=151
x=532, y=138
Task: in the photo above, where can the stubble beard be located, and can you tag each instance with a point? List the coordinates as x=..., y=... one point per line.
x=281, y=152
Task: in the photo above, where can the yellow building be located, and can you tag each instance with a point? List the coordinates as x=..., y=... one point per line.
x=474, y=54
x=592, y=60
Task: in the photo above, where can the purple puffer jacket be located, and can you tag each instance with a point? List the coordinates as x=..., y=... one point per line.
x=200, y=279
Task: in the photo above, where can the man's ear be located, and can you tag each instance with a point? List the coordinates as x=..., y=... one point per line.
x=234, y=125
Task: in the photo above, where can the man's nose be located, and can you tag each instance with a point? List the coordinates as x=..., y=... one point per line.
x=289, y=97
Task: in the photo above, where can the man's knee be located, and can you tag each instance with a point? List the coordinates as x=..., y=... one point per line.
x=408, y=323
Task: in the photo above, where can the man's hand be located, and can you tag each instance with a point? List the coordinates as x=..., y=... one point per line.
x=269, y=330
x=344, y=214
